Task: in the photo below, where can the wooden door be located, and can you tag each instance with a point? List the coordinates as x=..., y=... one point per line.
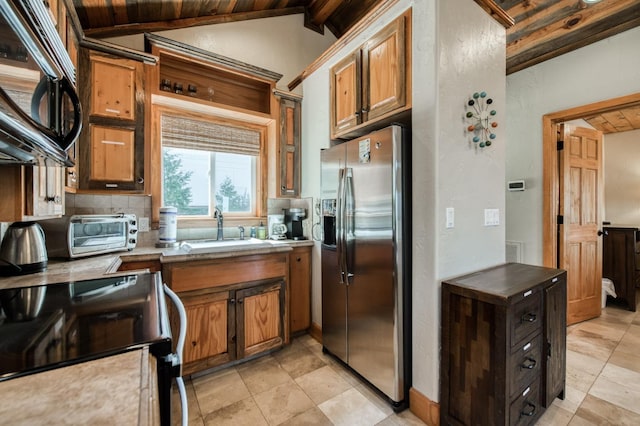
x=112, y=154
x=383, y=71
x=289, y=147
x=581, y=200
x=346, y=101
x=113, y=87
x=260, y=318
x=300, y=294
x=208, y=339
x=44, y=191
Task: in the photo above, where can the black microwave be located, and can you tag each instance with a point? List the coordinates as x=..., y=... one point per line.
x=40, y=113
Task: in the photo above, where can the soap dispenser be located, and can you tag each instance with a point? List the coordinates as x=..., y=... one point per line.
x=262, y=232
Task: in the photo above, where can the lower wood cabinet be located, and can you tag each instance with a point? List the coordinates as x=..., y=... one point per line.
x=300, y=293
x=503, y=345
x=226, y=324
x=237, y=307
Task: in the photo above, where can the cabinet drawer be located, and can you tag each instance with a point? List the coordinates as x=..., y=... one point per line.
x=527, y=407
x=526, y=317
x=525, y=364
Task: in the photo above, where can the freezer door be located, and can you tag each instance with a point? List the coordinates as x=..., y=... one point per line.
x=374, y=299
x=334, y=293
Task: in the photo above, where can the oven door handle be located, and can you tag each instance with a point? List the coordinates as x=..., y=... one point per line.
x=177, y=357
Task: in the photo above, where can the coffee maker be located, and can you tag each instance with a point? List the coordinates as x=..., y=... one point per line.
x=293, y=219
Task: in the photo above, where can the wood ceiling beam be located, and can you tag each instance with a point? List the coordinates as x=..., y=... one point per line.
x=496, y=12
x=317, y=13
x=137, y=28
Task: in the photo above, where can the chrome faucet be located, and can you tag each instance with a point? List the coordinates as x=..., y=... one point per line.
x=217, y=214
x=241, y=228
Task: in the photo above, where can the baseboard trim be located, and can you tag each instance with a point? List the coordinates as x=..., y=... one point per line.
x=315, y=331
x=425, y=409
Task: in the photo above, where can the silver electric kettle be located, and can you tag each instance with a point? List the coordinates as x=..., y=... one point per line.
x=23, y=250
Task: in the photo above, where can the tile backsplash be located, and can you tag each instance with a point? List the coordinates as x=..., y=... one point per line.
x=140, y=205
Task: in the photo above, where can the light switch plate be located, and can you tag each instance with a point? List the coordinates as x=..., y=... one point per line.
x=449, y=217
x=491, y=217
x=143, y=224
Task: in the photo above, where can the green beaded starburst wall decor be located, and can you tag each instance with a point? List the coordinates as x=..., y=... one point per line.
x=481, y=117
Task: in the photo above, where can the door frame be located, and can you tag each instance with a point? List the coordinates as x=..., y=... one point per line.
x=550, y=178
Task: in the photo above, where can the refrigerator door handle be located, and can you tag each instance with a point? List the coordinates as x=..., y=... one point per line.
x=340, y=225
x=349, y=224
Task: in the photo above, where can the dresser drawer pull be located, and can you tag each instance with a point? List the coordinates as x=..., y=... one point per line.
x=526, y=347
x=529, y=410
x=528, y=364
x=527, y=293
x=554, y=280
x=528, y=317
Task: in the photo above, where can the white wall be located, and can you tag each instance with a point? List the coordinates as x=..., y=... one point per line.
x=279, y=44
x=607, y=69
x=622, y=178
x=457, y=50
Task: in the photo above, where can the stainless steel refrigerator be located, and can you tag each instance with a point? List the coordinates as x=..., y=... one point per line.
x=366, y=252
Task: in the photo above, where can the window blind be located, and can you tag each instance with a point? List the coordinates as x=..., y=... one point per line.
x=181, y=132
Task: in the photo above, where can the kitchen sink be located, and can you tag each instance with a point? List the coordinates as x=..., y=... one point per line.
x=213, y=245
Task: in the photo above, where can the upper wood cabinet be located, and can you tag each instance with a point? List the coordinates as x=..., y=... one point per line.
x=374, y=82
x=111, y=145
x=188, y=72
x=31, y=192
x=113, y=87
x=289, y=145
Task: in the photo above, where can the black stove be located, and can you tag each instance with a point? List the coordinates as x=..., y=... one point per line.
x=55, y=325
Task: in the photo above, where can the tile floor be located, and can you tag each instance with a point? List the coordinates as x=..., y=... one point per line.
x=301, y=386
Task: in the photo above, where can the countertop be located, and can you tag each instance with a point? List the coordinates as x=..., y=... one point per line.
x=60, y=271
x=120, y=389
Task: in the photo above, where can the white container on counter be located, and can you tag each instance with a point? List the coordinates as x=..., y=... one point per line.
x=168, y=227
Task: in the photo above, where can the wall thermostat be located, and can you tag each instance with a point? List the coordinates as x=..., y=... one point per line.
x=516, y=185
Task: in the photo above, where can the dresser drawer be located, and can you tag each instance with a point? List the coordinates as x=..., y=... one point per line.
x=527, y=407
x=525, y=364
x=526, y=317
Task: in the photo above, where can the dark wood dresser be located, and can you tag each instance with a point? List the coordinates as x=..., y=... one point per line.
x=503, y=354
x=621, y=262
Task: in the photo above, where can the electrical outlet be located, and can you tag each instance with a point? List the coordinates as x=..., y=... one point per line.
x=143, y=224
x=449, y=217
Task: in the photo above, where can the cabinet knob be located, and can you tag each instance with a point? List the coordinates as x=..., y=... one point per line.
x=528, y=410
x=240, y=301
x=232, y=301
x=233, y=339
x=528, y=364
x=194, y=343
x=298, y=259
x=529, y=317
x=140, y=179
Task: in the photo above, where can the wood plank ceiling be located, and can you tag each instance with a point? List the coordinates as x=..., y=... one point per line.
x=541, y=30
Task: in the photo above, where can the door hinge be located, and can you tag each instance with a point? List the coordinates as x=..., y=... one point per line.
x=560, y=220
x=560, y=145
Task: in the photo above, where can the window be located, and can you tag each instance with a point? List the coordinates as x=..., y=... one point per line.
x=208, y=164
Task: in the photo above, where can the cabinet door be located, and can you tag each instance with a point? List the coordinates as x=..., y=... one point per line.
x=44, y=191
x=112, y=154
x=300, y=293
x=383, y=69
x=289, y=148
x=208, y=337
x=260, y=318
x=555, y=341
x=346, y=93
x=113, y=88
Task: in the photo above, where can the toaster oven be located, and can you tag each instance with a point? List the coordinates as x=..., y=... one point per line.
x=87, y=235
